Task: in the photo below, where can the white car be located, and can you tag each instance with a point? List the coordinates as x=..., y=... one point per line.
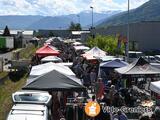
x=150, y=59
x=30, y=105
x=157, y=58
x=134, y=55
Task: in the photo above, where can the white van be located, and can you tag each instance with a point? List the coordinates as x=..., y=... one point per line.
x=133, y=55
x=30, y=105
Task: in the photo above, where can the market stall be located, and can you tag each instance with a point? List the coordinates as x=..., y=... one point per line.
x=108, y=67
x=138, y=67
x=155, y=91
x=47, y=50
x=155, y=87
x=141, y=74
x=113, y=64
x=42, y=69
x=59, y=82
x=95, y=52
x=47, y=67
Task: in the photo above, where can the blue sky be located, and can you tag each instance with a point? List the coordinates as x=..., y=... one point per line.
x=62, y=7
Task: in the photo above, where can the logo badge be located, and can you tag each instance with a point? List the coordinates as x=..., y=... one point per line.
x=92, y=109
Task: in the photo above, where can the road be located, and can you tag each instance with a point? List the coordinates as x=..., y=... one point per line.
x=7, y=55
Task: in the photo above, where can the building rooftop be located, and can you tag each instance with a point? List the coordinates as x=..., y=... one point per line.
x=14, y=32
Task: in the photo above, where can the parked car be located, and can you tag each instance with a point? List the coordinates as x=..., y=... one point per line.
x=133, y=55
x=157, y=58
x=30, y=105
x=150, y=59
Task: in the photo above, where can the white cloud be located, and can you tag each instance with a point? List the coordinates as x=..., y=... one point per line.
x=104, y=5
x=61, y=7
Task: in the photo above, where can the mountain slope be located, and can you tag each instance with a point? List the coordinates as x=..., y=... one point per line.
x=149, y=11
x=17, y=21
x=64, y=21
x=50, y=23
x=47, y=22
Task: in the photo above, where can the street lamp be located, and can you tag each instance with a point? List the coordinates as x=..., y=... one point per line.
x=78, y=16
x=92, y=16
x=128, y=34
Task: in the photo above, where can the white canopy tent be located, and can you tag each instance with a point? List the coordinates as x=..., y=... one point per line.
x=51, y=59
x=155, y=87
x=47, y=67
x=42, y=69
x=68, y=64
x=96, y=52
x=81, y=48
x=77, y=43
x=110, y=58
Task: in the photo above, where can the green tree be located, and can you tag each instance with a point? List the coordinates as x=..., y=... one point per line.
x=51, y=34
x=106, y=43
x=6, y=31
x=75, y=26
x=38, y=35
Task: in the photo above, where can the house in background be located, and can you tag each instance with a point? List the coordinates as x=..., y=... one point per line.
x=21, y=37
x=82, y=35
x=55, y=33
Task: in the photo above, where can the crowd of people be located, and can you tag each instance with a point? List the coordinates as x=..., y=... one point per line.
x=108, y=88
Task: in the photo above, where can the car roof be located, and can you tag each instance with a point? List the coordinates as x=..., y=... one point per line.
x=149, y=56
x=157, y=55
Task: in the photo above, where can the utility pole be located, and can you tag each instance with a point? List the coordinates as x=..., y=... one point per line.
x=92, y=15
x=128, y=32
x=78, y=16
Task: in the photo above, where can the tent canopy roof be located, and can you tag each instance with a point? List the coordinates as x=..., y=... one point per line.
x=138, y=67
x=55, y=80
x=47, y=67
x=51, y=58
x=94, y=53
x=155, y=87
x=89, y=57
x=109, y=58
x=77, y=43
x=114, y=64
x=42, y=69
x=47, y=50
x=81, y=47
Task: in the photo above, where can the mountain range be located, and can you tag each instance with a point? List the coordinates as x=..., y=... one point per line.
x=49, y=22
x=149, y=11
